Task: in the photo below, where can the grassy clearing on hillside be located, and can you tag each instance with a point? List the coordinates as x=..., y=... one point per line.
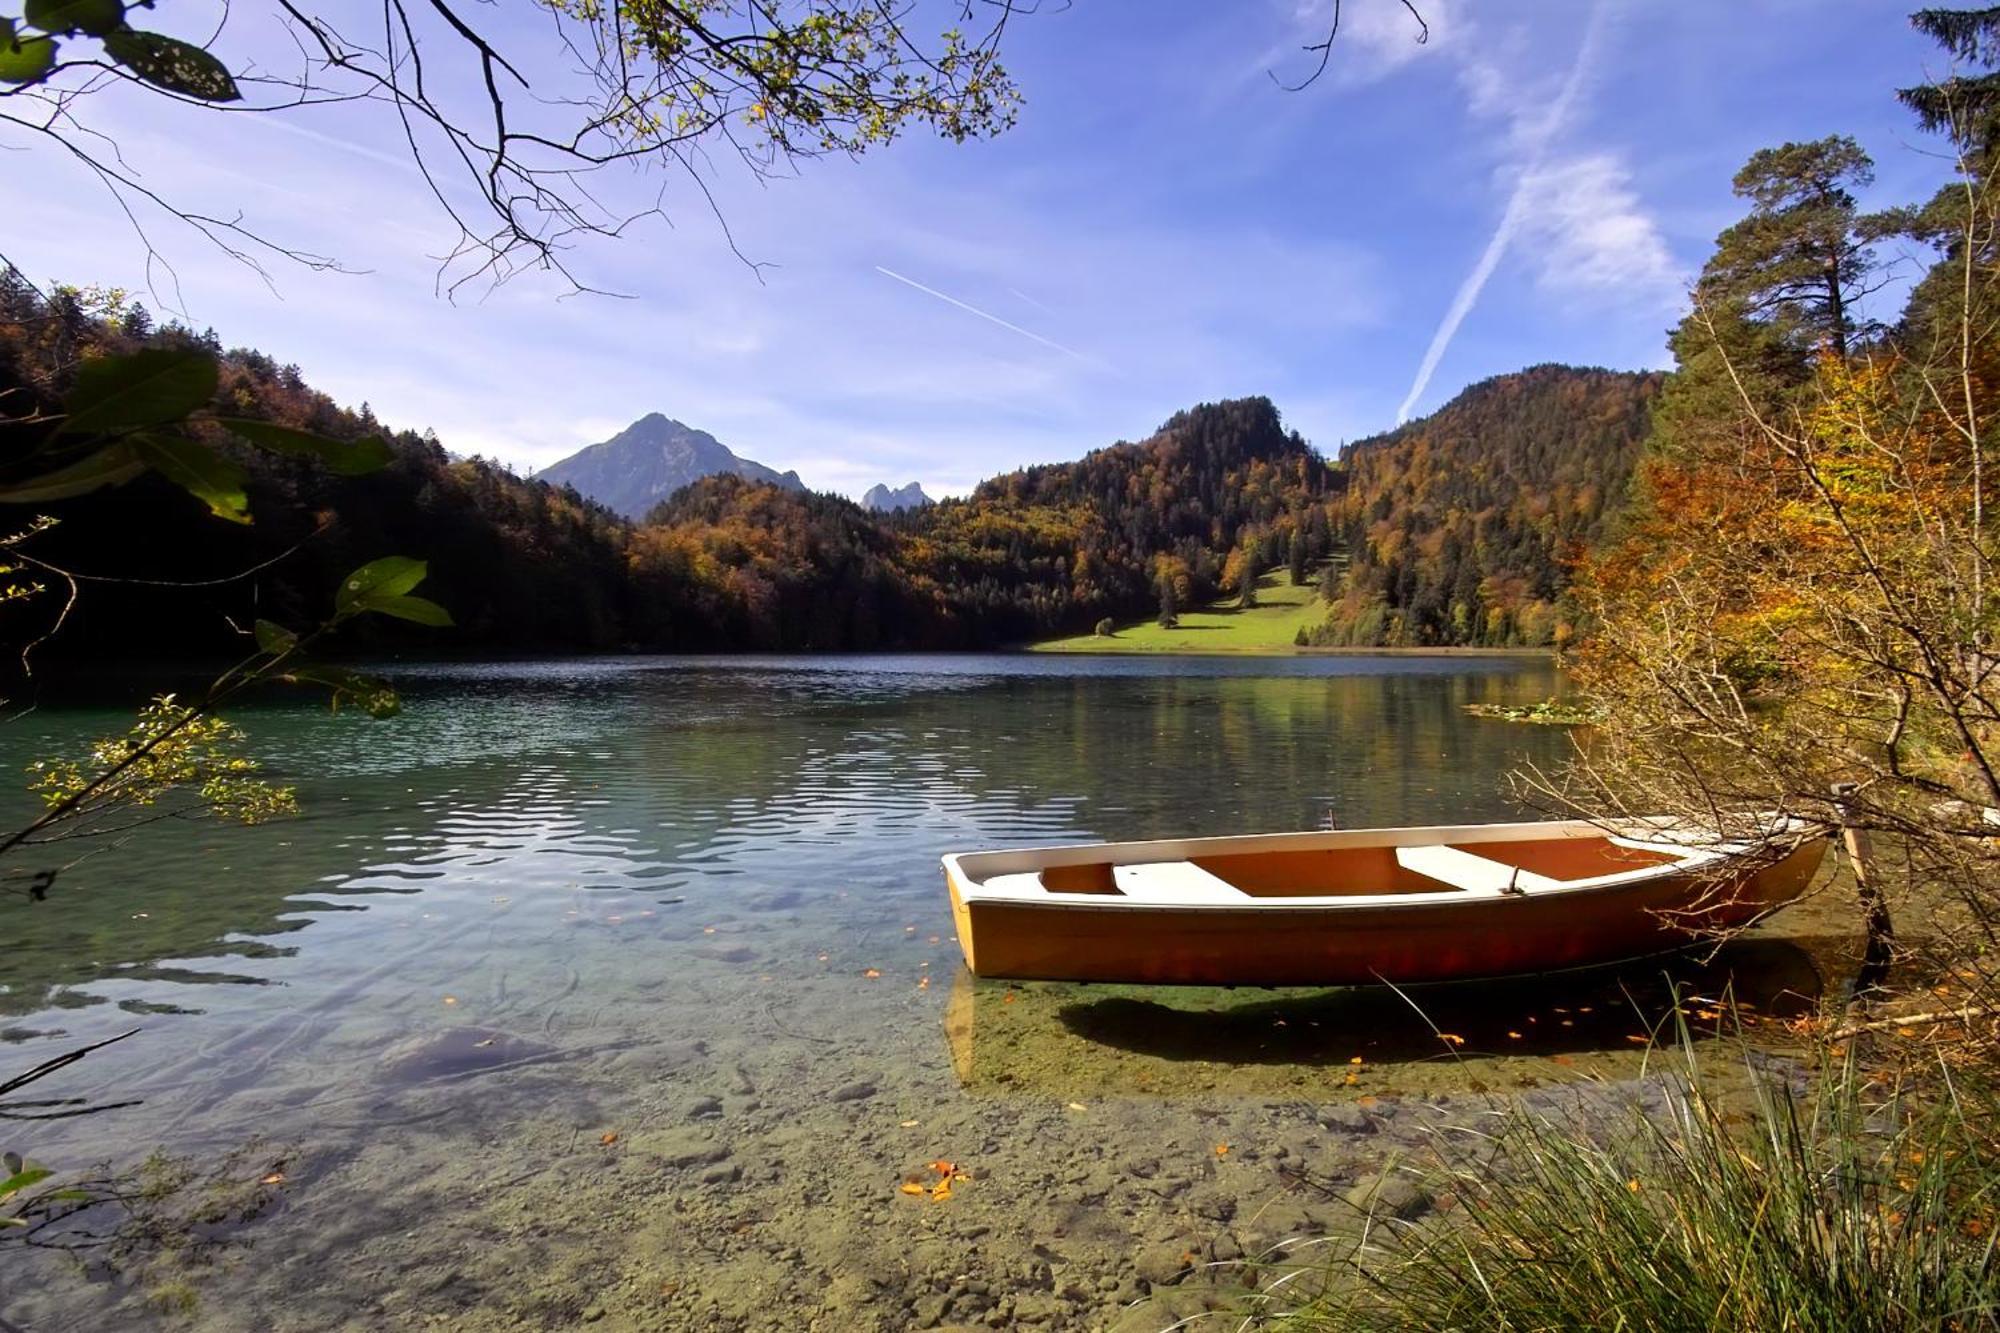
x=1269, y=627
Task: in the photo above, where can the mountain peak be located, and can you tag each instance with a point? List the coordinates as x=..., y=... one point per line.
x=881, y=499
x=651, y=459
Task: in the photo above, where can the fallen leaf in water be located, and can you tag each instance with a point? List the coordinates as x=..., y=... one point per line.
x=451, y=999
x=275, y=1178
x=871, y=972
x=1076, y=1106
x=912, y=1187
x=609, y=1138
x=909, y=930
x=1451, y=1037
x=481, y=1045
x=1515, y=1035
x=1633, y=1036
x=1354, y=1059
x=1222, y=1150
x=822, y=958
x=907, y=1124
x=708, y=930
x=1352, y=1078
x=924, y=983
x=941, y=1191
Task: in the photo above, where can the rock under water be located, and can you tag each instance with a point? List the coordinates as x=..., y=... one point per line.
x=456, y=1052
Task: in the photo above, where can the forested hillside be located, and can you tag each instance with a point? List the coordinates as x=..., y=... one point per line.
x=1452, y=530
x=1461, y=528
x=725, y=564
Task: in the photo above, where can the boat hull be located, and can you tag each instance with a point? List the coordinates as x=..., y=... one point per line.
x=1278, y=944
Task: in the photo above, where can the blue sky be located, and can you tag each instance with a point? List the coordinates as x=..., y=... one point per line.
x=1164, y=226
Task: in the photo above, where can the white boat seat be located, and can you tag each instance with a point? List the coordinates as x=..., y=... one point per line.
x=1463, y=870
x=1175, y=882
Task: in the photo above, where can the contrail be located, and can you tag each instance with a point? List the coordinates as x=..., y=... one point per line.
x=1510, y=221
x=975, y=310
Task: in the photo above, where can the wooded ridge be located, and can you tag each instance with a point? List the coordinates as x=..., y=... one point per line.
x=1451, y=530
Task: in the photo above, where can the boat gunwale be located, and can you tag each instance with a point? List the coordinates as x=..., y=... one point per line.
x=1783, y=841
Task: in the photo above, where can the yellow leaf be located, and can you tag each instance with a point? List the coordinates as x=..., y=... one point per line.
x=912, y=1187
x=1222, y=1150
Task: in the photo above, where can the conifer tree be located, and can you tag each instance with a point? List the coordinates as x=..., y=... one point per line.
x=1783, y=285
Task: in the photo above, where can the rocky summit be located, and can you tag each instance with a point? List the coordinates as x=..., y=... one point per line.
x=651, y=459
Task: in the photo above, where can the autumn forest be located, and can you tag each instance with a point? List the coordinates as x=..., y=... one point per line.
x=1457, y=529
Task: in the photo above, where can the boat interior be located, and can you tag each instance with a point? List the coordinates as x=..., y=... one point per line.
x=1240, y=871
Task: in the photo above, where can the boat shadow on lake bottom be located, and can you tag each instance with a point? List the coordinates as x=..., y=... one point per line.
x=1076, y=1040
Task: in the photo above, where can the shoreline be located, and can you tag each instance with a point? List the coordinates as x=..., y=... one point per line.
x=1288, y=651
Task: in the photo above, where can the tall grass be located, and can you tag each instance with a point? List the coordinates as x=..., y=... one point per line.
x=1841, y=1207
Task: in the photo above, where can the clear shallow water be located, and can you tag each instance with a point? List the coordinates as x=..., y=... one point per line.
x=694, y=904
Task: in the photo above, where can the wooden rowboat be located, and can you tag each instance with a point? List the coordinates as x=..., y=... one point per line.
x=1362, y=905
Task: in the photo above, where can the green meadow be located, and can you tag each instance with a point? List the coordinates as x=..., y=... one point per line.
x=1221, y=627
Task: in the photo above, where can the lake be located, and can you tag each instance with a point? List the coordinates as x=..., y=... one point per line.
x=622, y=993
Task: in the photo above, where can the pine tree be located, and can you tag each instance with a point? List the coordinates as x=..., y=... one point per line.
x=1964, y=107
x=1782, y=286
x=1296, y=557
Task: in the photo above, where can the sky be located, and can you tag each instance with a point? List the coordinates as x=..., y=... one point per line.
x=1166, y=225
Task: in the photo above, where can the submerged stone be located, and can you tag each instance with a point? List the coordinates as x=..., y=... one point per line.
x=456, y=1053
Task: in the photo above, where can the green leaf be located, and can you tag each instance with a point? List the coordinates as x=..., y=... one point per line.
x=198, y=470
x=14, y=1184
x=378, y=580
x=420, y=609
x=371, y=696
x=149, y=388
x=274, y=638
x=350, y=458
x=111, y=466
x=166, y=62
x=24, y=59
x=94, y=17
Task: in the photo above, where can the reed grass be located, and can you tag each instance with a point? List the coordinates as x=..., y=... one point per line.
x=1839, y=1206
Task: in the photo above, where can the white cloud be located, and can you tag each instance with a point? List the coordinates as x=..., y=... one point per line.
x=1589, y=233
x=1590, y=236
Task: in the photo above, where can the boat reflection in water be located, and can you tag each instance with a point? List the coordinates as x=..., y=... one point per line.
x=1075, y=1040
